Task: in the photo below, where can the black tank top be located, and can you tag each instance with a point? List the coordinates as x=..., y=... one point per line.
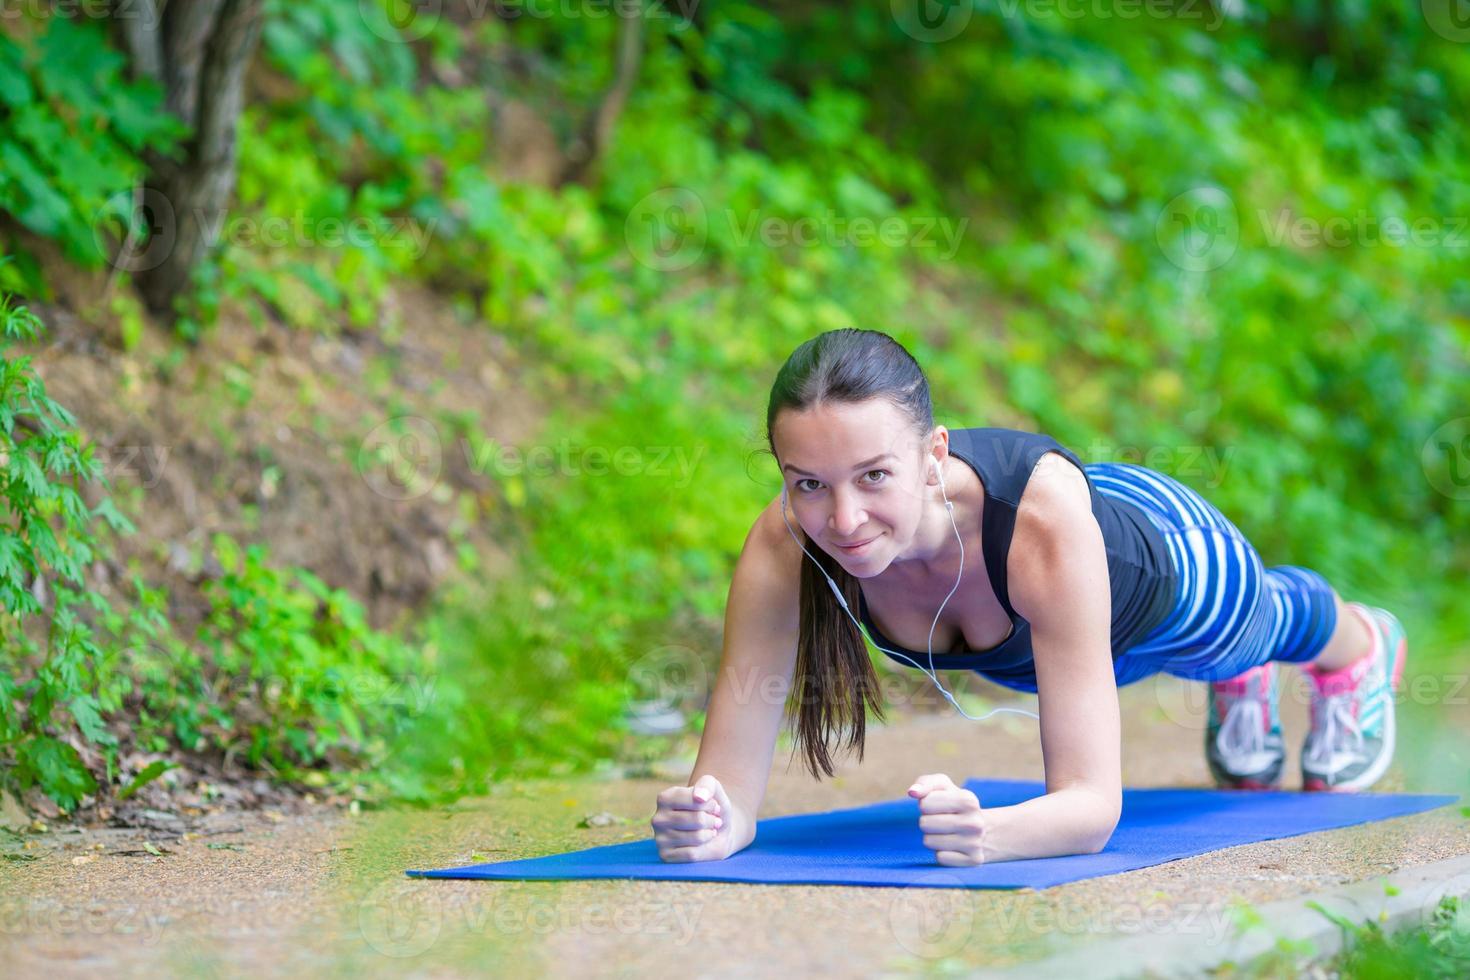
x=1141, y=575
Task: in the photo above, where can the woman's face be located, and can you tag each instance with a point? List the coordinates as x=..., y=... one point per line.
x=853, y=476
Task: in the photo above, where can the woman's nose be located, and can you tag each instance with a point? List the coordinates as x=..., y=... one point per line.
x=847, y=517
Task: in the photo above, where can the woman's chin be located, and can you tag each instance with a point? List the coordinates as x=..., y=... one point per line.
x=868, y=562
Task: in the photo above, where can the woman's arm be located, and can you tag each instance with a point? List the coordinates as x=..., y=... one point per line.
x=1057, y=575
x=756, y=667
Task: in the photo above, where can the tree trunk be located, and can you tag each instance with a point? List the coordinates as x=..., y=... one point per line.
x=597, y=129
x=199, y=50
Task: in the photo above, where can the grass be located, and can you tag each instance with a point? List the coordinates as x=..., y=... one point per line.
x=1437, y=948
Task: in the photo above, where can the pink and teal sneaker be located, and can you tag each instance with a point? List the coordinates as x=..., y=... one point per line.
x=1351, y=740
x=1243, y=745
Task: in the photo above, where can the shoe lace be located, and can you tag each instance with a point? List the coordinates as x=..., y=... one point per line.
x=1339, y=730
x=1243, y=730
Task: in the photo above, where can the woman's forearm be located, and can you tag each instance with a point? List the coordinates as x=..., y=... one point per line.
x=1068, y=821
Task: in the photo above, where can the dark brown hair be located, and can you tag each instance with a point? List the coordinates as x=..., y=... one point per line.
x=834, y=681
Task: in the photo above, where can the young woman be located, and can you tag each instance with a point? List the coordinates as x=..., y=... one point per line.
x=1078, y=578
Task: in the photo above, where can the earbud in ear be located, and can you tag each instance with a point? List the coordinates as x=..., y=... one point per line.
x=948, y=504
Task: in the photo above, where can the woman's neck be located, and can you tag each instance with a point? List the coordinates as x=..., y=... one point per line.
x=935, y=552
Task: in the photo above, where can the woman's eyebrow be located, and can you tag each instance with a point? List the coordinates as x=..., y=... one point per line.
x=866, y=462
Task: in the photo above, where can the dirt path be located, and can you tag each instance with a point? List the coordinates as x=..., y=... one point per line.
x=324, y=893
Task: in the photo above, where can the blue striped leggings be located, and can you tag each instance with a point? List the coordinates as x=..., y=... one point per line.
x=1231, y=612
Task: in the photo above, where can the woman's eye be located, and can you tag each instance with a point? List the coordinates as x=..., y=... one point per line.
x=800, y=487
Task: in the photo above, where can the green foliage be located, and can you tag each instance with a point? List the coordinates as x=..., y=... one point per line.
x=1101, y=236
x=149, y=773
x=284, y=671
x=1438, y=949
x=1071, y=305
x=56, y=681
x=73, y=130
x=320, y=236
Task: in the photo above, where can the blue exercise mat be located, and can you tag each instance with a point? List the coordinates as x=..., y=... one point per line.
x=881, y=844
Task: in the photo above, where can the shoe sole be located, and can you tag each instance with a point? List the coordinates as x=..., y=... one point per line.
x=1223, y=781
x=1248, y=784
x=1374, y=772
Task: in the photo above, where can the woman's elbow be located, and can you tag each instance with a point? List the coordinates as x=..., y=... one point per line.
x=1109, y=813
x=1099, y=841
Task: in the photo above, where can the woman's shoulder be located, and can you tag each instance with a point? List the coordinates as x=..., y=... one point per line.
x=772, y=541
x=1055, y=499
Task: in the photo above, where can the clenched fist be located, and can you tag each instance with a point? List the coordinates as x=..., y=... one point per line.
x=951, y=819
x=698, y=823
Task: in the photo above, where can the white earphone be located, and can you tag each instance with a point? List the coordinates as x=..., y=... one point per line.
x=841, y=601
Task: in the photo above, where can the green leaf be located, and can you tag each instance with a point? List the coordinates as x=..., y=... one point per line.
x=115, y=518
x=15, y=85
x=84, y=710
x=150, y=772
x=57, y=768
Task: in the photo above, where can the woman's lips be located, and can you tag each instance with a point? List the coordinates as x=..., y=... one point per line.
x=857, y=549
